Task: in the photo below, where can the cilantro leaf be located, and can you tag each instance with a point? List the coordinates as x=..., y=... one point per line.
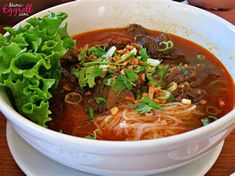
x=143, y=108
x=147, y=105
x=126, y=81
x=151, y=77
x=150, y=103
x=91, y=74
x=162, y=71
x=82, y=56
x=143, y=54
x=80, y=74
x=97, y=51
x=171, y=98
x=118, y=84
x=87, y=77
x=131, y=75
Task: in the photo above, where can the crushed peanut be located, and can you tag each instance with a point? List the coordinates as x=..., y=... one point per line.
x=66, y=87
x=186, y=101
x=88, y=93
x=145, y=94
x=203, y=102
x=114, y=110
x=149, y=69
x=122, y=72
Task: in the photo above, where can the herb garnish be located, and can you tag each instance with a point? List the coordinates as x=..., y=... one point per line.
x=209, y=119
x=101, y=101
x=93, y=135
x=126, y=81
x=143, y=54
x=90, y=112
x=147, y=105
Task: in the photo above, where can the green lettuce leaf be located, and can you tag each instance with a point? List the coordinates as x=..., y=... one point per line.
x=30, y=63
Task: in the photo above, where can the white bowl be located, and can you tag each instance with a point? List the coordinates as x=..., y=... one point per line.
x=139, y=157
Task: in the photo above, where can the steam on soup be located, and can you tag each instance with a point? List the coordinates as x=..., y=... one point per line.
x=134, y=84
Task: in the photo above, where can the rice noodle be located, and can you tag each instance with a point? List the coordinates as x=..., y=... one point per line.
x=129, y=124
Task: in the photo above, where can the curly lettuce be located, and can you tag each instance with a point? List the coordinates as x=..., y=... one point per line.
x=30, y=63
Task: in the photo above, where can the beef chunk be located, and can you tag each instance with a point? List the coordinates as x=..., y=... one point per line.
x=194, y=94
x=194, y=75
x=70, y=56
x=99, y=90
x=68, y=76
x=136, y=29
x=152, y=44
x=149, y=43
x=112, y=98
x=120, y=44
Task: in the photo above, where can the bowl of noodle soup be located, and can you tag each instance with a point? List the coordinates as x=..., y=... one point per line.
x=149, y=144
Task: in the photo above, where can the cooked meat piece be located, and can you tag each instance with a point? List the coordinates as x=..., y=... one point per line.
x=68, y=76
x=136, y=29
x=120, y=40
x=194, y=94
x=172, y=61
x=115, y=99
x=112, y=98
x=71, y=55
x=152, y=44
x=100, y=90
x=194, y=75
x=149, y=43
x=120, y=44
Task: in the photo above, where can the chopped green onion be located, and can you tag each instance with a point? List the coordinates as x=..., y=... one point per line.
x=73, y=98
x=153, y=62
x=108, y=81
x=90, y=112
x=110, y=52
x=208, y=120
x=101, y=101
x=128, y=55
x=165, y=95
x=171, y=98
x=212, y=110
x=212, y=117
x=205, y=121
x=93, y=135
x=172, y=87
x=168, y=45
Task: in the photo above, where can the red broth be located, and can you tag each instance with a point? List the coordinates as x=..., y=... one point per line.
x=74, y=120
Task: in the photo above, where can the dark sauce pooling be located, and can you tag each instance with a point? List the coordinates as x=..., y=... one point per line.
x=133, y=84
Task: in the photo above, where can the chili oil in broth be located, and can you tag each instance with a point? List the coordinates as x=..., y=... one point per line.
x=74, y=120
